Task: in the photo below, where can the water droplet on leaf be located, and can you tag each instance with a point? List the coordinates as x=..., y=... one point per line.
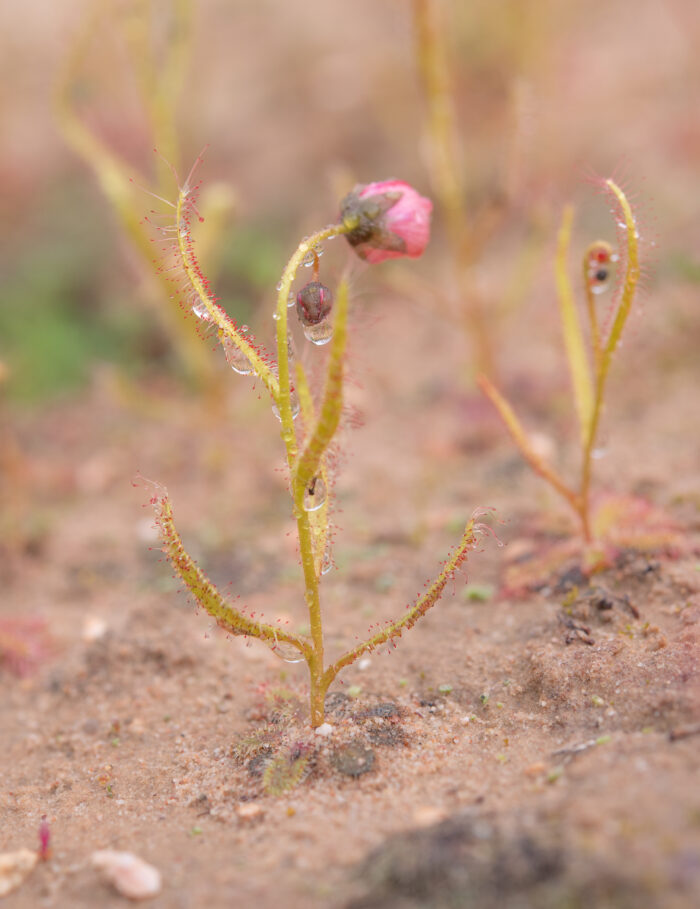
x=235, y=357
x=293, y=403
x=599, y=279
x=327, y=561
x=287, y=652
x=200, y=310
x=315, y=494
x=319, y=334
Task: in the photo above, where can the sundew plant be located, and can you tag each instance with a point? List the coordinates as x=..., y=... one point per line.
x=590, y=369
x=380, y=221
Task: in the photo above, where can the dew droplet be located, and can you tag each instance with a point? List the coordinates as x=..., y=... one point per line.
x=276, y=316
x=291, y=299
x=278, y=286
x=599, y=279
x=293, y=403
x=327, y=560
x=235, y=357
x=320, y=333
x=315, y=494
x=308, y=259
x=287, y=652
x=200, y=310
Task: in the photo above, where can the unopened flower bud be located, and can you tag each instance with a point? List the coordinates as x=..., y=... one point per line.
x=386, y=220
x=314, y=302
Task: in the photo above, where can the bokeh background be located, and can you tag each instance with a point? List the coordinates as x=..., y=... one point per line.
x=297, y=101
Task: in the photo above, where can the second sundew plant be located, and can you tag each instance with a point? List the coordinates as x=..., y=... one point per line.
x=589, y=370
x=380, y=221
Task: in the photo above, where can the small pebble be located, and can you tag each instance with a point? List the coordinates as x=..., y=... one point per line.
x=128, y=874
x=325, y=729
x=427, y=815
x=249, y=811
x=353, y=759
x=14, y=867
x=94, y=628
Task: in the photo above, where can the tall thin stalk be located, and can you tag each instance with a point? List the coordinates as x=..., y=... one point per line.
x=588, y=394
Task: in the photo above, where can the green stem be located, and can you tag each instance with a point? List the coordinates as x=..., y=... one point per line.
x=298, y=482
x=605, y=358
x=284, y=403
x=587, y=464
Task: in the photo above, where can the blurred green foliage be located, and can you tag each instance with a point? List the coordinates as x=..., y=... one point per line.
x=252, y=260
x=67, y=306
x=58, y=316
x=685, y=266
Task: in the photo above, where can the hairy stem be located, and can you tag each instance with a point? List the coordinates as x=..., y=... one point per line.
x=207, y=595
x=419, y=608
x=321, y=437
x=521, y=439
x=306, y=246
x=629, y=289
x=198, y=287
x=595, y=328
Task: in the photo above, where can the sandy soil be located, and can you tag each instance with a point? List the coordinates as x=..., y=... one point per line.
x=546, y=744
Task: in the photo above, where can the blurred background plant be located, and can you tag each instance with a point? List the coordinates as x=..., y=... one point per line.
x=605, y=523
x=476, y=211
x=156, y=37
x=589, y=370
x=297, y=113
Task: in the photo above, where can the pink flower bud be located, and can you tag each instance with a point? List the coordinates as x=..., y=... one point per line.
x=386, y=220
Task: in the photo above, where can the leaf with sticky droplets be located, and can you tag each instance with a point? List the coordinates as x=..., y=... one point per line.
x=205, y=592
